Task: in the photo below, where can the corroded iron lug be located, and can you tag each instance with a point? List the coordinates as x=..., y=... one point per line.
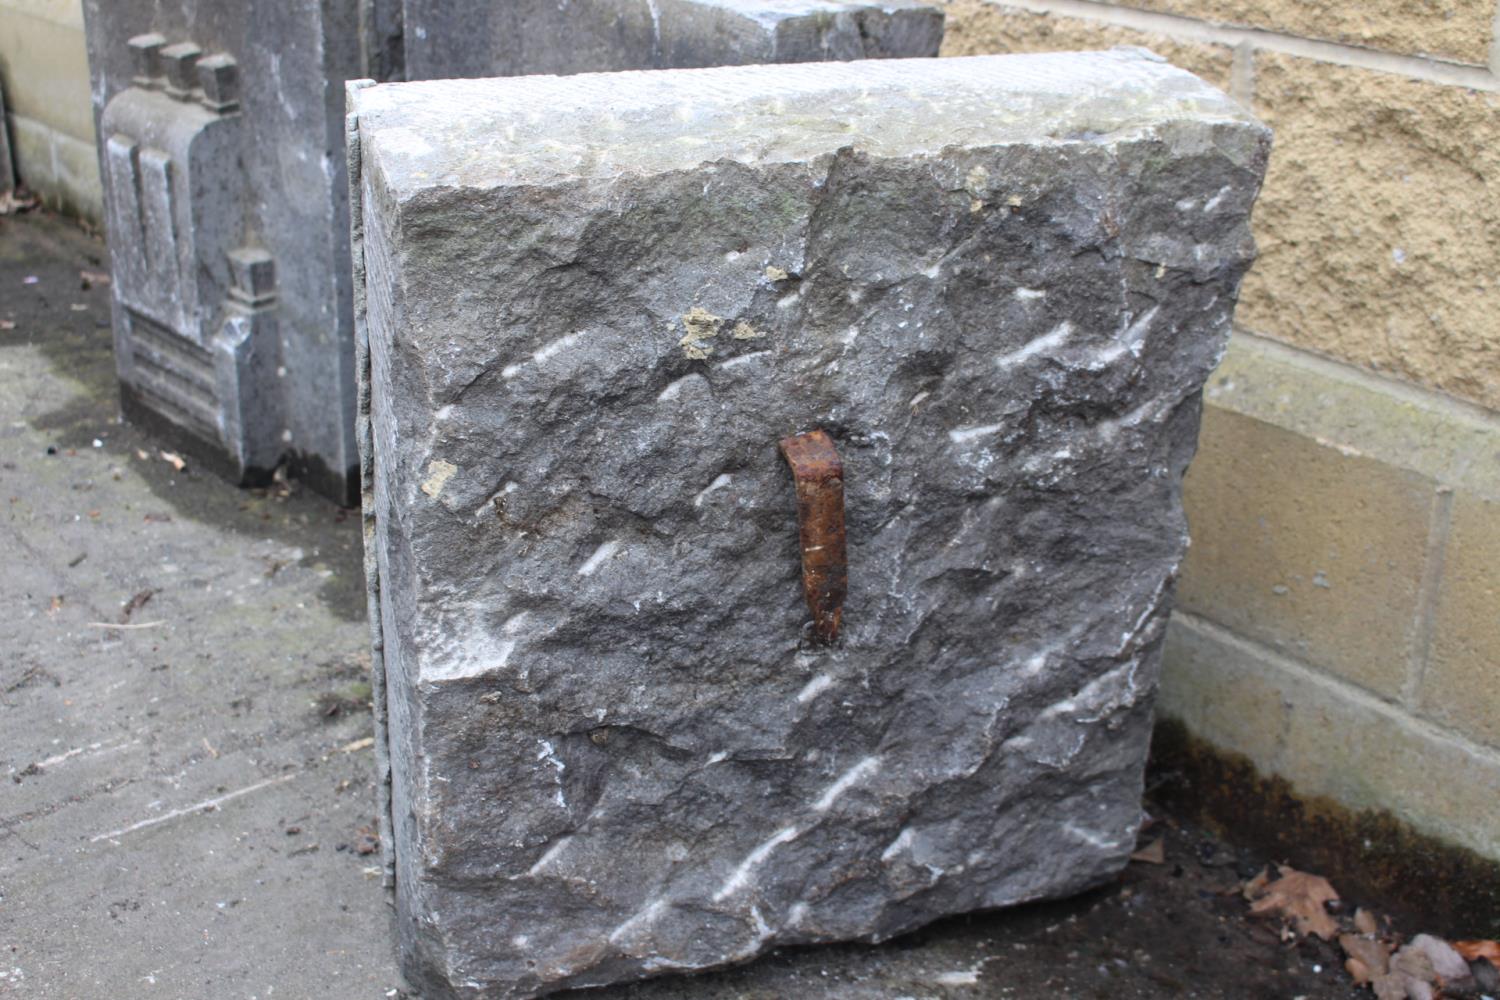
x=819, y=476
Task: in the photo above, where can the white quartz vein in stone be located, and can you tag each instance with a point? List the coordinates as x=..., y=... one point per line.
x=1049, y=341
x=740, y=877
x=548, y=753
x=847, y=780
x=542, y=353
x=549, y=856
x=641, y=918
x=1089, y=837
x=720, y=481
x=812, y=688
x=601, y=555
x=742, y=359
x=963, y=435
x=895, y=847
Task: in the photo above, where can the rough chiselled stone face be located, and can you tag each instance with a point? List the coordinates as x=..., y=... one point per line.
x=593, y=307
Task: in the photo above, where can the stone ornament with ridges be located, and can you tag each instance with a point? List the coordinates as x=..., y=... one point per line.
x=592, y=306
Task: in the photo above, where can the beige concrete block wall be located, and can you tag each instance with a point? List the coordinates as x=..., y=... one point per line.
x=44, y=73
x=1339, y=611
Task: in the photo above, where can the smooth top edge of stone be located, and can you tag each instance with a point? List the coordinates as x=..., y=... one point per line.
x=540, y=130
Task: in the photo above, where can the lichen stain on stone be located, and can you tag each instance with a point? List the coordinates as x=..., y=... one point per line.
x=438, y=474
x=744, y=331
x=977, y=181
x=701, y=326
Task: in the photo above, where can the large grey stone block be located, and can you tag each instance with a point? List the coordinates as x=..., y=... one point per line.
x=591, y=306
x=221, y=133
x=476, y=38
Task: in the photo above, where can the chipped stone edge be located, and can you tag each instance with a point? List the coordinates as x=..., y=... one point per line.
x=364, y=434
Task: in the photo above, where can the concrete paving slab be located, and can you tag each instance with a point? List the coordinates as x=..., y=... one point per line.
x=184, y=789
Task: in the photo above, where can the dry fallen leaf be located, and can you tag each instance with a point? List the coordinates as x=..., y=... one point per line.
x=366, y=840
x=175, y=460
x=1446, y=961
x=1300, y=898
x=1475, y=950
x=1411, y=977
x=1371, y=957
x=135, y=604
x=91, y=278
x=1154, y=853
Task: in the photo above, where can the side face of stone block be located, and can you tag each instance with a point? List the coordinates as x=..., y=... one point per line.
x=7, y=167
x=476, y=38
x=998, y=283
x=220, y=132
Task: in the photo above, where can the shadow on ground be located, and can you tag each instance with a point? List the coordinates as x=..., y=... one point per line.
x=65, y=316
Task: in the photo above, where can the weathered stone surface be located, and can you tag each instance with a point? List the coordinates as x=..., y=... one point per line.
x=221, y=134
x=594, y=306
x=477, y=38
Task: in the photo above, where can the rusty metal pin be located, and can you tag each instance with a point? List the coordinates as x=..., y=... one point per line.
x=819, y=476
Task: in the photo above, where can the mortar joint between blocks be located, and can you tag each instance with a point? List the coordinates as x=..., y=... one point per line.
x=1427, y=596
x=1193, y=30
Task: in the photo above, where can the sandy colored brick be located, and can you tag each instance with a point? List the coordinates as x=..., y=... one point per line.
x=46, y=73
x=31, y=152
x=1447, y=440
x=77, y=190
x=1316, y=553
x=1456, y=30
x=1217, y=689
x=1379, y=227
x=1462, y=682
x=58, y=168
x=978, y=27
x=1330, y=740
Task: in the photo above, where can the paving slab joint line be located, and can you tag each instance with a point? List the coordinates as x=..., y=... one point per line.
x=1300, y=673
x=197, y=807
x=1190, y=29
